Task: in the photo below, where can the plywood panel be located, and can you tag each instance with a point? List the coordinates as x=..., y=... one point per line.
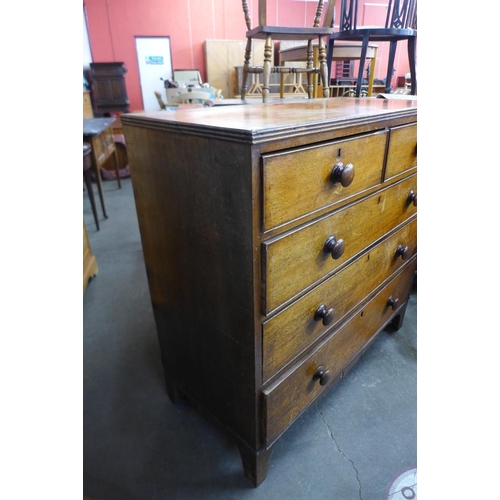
x=221, y=57
x=216, y=65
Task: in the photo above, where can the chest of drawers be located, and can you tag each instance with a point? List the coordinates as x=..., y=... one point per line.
x=279, y=240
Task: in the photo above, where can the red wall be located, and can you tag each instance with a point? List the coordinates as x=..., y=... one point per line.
x=113, y=24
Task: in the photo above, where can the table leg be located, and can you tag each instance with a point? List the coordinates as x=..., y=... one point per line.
x=315, y=76
x=372, y=72
x=97, y=172
x=88, y=181
x=117, y=167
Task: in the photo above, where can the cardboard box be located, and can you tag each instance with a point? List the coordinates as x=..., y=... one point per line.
x=173, y=95
x=185, y=77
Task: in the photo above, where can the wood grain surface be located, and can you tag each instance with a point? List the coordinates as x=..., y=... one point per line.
x=286, y=334
x=290, y=396
x=296, y=260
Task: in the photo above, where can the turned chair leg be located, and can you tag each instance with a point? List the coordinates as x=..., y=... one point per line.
x=246, y=64
x=266, y=74
x=309, y=66
x=323, y=69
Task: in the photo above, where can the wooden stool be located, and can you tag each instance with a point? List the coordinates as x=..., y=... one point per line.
x=87, y=175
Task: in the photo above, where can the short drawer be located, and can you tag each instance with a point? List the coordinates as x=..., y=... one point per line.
x=297, y=260
x=288, y=397
x=299, y=182
x=108, y=141
x=99, y=148
x=296, y=327
x=402, y=153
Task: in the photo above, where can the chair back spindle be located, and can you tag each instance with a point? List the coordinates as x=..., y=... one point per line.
x=348, y=15
x=400, y=14
x=313, y=70
x=246, y=11
x=400, y=24
x=319, y=11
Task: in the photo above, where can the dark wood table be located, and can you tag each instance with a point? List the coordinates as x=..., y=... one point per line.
x=98, y=132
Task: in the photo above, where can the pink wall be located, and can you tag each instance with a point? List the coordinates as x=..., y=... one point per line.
x=112, y=25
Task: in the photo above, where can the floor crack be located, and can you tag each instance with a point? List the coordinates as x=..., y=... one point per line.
x=339, y=449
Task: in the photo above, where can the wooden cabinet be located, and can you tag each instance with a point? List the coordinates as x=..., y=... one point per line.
x=279, y=240
x=109, y=89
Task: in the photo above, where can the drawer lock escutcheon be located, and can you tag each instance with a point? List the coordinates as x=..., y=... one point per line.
x=322, y=375
x=334, y=246
x=322, y=313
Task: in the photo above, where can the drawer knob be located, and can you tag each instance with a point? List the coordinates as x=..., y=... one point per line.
x=402, y=252
x=412, y=198
x=336, y=248
x=322, y=313
x=392, y=302
x=343, y=174
x=322, y=375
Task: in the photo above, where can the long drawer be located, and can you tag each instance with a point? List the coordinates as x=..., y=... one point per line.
x=287, y=333
x=298, y=259
x=288, y=397
x=300, y=181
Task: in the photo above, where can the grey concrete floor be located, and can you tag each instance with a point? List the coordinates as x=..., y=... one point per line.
x=350, y=445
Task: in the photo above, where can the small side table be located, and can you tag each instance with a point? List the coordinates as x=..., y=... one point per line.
x=98, y=132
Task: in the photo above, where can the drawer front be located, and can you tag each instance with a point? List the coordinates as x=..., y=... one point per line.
x=297, y=260
x=108, y=141
x=402, y=154
x=299, y=182
x=293, y=329
x=286, y=399
x=99, y=148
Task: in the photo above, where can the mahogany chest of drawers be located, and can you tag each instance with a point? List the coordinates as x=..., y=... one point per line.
x=279, y=240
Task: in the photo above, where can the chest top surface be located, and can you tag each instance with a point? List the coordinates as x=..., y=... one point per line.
x=260, y=122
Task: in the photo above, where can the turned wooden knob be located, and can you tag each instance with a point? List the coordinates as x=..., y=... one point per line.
x=412, y=198
x=322, y=313
x=402, y=252
x=343, y=174
x=322, y=375
x=336, y=248
x=392, y=302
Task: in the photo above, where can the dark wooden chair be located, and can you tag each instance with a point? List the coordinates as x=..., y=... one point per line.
x=161, y=103
x=269, y=33
x=400, y=24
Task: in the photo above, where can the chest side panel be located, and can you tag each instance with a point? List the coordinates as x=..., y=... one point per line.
x=194, y=203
